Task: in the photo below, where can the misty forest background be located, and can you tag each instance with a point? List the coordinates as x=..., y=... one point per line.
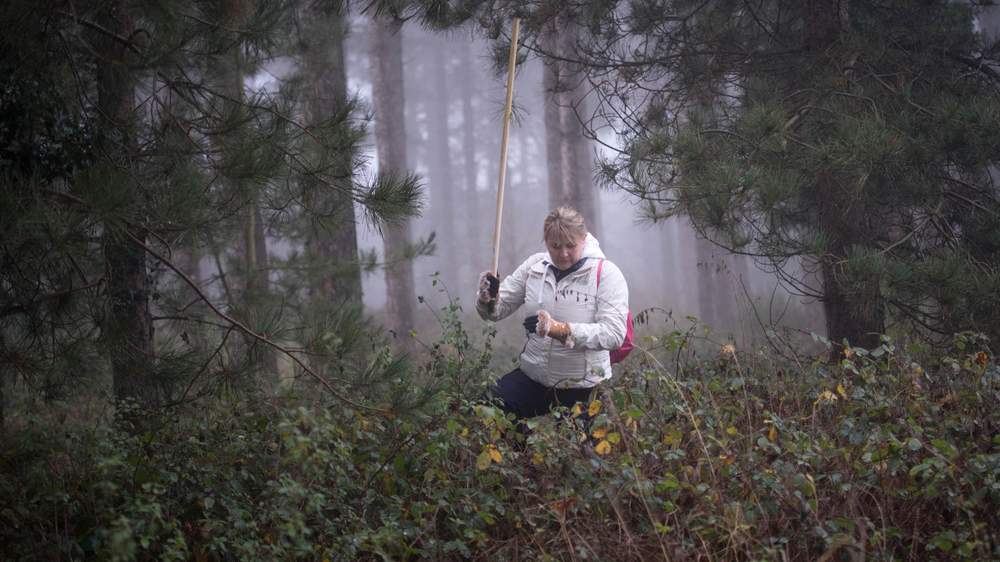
x=239, y=243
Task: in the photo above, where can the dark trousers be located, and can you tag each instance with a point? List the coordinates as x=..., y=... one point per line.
x=516, y=393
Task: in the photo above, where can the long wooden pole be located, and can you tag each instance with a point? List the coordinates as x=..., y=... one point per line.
x=512, y=61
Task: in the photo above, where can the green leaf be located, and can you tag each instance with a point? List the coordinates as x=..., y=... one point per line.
x=483, y=460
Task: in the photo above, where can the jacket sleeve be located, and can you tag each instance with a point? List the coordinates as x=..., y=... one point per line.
x=608, y=329
x=511, y=294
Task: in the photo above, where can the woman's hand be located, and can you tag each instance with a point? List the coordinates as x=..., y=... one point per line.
x=549, y=326
x=489, y=287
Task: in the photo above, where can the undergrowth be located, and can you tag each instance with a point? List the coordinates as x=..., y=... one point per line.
x=890, y=454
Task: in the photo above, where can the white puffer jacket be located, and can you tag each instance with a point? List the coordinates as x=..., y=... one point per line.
x=597, y=317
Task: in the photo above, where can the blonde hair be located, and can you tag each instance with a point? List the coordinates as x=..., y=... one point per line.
x=564, y=225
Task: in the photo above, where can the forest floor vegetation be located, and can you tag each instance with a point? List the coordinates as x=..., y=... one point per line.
x=891, y=454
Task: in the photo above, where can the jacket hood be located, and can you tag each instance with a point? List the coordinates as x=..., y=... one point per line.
x=591, y=249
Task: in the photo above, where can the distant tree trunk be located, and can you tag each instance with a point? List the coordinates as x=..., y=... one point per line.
x=255, y=245
x=333, y=242
x=256, y=285
x=474, y=225
x=128, y=328
x=439, y=164
x=568, y=152
x=714, y=292
x=390, y=143
x=552, y=95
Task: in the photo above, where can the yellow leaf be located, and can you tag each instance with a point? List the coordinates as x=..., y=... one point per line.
x=826, y=396
x=577, y=410
x=537, y=459
x=465, y=432
x=599, y=433
x=603, y=447
x=483, y=460
x=494, y=453
x=731, y=430
x=594, y=408
x=841, y=391
x=672, y=438
x=614, y=437
x=772, y=434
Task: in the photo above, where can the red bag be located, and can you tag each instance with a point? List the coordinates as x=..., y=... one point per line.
x=619, y=355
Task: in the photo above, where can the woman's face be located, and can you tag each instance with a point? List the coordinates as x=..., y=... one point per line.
x=565, y=252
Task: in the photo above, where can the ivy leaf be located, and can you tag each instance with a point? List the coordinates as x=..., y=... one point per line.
x=672, y=438
x=483, y=460
x=594, y=408
x=603, y=447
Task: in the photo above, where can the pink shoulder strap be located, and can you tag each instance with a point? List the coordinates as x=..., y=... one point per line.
x=600, y=266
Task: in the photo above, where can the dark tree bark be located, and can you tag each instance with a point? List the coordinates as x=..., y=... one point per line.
x=332, y=242
x=852, y=301
x=390, y=144
x=128, y=328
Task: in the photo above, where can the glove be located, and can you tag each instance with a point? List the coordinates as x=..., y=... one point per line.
x=530, y=323
x=549, y=326
x=489, y=287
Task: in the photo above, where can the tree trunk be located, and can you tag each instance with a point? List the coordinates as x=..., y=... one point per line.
x=332, y=243
x=714, y=293
x=551, y=90
x=390, y=144
x=256, y=285
x=568, y=153
x=439, y=164
x=128, y=328
x=3, y=382
x=852, y=302
x=475, y=246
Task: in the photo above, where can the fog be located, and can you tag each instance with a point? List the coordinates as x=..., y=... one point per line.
x=668, y=268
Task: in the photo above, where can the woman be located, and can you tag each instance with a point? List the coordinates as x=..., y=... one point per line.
x=573, y=320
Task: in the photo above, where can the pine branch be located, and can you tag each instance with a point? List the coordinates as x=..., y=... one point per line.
x=246, y=330
x=230, y=320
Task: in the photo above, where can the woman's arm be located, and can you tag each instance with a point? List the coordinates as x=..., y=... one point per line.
x=607, y=331
x=511, y=293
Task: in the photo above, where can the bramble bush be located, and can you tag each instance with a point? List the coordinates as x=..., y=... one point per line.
x=891, y=454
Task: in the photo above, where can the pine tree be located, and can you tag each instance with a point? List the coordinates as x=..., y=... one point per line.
x=851, y=141
x=126, y=137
